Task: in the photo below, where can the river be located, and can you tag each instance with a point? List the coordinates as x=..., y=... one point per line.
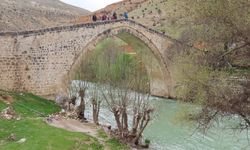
x=167, y=132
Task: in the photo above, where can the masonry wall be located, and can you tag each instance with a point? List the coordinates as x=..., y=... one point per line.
x=37, y=61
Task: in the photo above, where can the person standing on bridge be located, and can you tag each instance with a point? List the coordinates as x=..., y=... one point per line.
x=125, y=15
x=114, y=16
x=94, y=18
x=104, y=17
x=108, y=17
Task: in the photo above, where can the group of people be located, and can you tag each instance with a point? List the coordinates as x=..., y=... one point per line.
x=106, y=17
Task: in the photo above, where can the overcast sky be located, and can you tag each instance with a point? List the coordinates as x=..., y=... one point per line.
x=91, y=5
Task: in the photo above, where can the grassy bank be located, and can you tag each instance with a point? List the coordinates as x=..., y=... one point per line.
x=41, y=136
x=38, y=134
x=111, y=143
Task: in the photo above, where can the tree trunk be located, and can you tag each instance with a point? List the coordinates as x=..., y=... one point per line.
x=81, y=110
x=118, y=122
x=96, y=109
x=125, y=120
x=146, y=119
x=136, y=119
x=138, y=136
x=124, y=126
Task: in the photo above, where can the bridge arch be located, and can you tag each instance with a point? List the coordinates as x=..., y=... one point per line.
x=38, y=60
x=159, y=75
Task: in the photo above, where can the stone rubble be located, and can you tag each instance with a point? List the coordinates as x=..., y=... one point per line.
x=9, y=114
x=61, y=115
x=22, y=140
x=12, y=137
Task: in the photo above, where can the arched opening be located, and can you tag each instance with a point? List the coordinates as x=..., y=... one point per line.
x=158, y=74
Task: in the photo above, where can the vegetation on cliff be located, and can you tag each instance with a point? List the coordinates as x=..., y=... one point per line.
x=207, y=74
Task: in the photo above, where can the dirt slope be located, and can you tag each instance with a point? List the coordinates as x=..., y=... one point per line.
x=33, y=14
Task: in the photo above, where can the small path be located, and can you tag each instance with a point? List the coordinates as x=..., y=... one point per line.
x=75, y=126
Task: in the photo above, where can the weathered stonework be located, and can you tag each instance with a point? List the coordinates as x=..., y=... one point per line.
x=37, y=61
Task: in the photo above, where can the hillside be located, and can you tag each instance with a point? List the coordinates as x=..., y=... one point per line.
x=33, y=14
x=180, y=20
x=119, y=8
x=162, y=15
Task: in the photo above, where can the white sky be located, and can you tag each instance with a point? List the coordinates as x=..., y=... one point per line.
x=91, y=5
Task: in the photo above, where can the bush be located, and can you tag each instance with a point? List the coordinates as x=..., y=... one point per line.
x=147, y=141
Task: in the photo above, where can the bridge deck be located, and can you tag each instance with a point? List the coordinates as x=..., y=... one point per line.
x=76, y=26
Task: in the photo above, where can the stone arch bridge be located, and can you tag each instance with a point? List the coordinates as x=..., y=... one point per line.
x=37, y=61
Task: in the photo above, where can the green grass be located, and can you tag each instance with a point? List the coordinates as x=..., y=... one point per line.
x=115, y=144
x=112, y=143
x=102, y=134
x=2, y=105
x=38, y=134
x=30, y=105
x=109, y=42
x=41, y=136
x=33, y=106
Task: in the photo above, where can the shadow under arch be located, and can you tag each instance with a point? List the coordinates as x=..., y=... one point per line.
x=159, y=75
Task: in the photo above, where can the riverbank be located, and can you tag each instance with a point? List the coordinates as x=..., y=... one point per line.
x=91, y=129
x=30, y=131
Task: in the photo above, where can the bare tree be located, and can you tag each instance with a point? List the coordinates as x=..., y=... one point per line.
x=142, y=109
x=81, y=107
x=80, y=87
x=124, y=75
x=96, y=104
x=117, y=100
x=117, y=74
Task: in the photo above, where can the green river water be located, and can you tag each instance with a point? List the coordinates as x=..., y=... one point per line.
x=167, y=132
